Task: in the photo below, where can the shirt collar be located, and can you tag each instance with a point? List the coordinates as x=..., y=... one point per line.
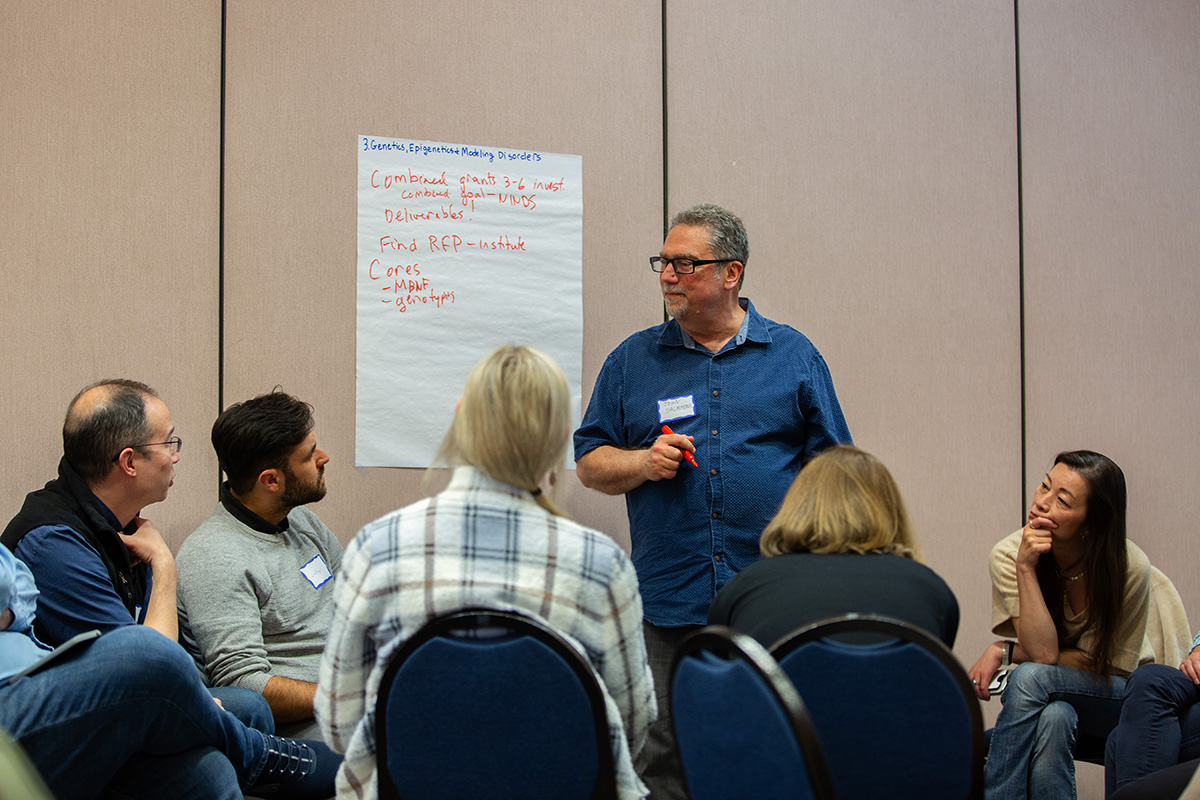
x=111, y=518
x=468, y=478
x=754, y=329
x=246, y=516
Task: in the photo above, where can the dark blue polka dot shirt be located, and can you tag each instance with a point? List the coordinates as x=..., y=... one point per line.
x=759, y=410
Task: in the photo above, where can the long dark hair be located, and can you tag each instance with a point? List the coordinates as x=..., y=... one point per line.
x=1104, y=558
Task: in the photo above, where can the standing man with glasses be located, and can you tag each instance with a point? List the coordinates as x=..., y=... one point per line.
x=748, y=399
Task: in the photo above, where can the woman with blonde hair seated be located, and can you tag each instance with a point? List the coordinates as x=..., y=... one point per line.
x=840, y=543
x=491, y=539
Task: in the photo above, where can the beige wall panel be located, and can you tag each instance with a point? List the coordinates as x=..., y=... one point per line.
x=305, y=78
x=109, y=137
x=1111, y=99
x=870, y=147
x=1110, y=112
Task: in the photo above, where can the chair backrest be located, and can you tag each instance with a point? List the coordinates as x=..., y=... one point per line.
x=897, y=716
x=740, y=727
x=491, y=704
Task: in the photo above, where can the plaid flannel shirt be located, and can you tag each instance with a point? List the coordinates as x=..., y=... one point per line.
x=479, y=543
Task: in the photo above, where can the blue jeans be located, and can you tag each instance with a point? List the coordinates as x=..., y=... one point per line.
x=1033, y=744
x=1159, y=727
x=250, y=707
x=127, y=717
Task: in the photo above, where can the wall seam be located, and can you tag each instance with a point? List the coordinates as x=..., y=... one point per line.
x=665, y=154
x=1021, y=256
x=665, y=120
x=221, y=232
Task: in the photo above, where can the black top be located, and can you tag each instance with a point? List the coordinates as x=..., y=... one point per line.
x=68, y=501
x=246, y=516
x=775, y=596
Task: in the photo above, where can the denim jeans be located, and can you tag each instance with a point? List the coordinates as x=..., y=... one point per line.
x=1159, y=727
x=250, y=707
x=127, y=717
x=1032, y=749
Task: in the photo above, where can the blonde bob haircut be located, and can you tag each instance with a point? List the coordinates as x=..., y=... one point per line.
x=513, y=421
x=843, y=501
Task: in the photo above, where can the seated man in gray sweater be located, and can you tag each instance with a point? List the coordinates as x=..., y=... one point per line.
x=256, y=578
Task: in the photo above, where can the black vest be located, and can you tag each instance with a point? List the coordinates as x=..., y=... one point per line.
x=68, y=501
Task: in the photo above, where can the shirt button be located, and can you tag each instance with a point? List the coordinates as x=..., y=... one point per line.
x=717, y=557
x=714, y=472
x=714, y=433
x=715, y=394
x=715, y=515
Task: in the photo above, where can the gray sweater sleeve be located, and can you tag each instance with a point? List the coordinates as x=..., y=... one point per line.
x=249, y=608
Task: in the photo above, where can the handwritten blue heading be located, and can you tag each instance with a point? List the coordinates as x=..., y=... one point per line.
x=418, y=148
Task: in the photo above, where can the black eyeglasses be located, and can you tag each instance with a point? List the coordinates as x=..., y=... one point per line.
x=175, y=442
x=683, y=266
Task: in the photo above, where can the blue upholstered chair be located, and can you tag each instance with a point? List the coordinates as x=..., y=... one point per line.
x=894, y=709
x=740, y=727
x=490, y=704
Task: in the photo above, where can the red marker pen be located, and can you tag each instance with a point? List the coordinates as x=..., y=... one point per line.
x=686, y=453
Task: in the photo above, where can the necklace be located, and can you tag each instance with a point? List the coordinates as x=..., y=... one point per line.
x=1062, y=573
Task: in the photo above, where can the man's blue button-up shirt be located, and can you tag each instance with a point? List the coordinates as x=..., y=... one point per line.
x=759, y=410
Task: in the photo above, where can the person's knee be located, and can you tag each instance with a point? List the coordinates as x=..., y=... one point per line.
x=151, y=657
x=1056, y=727
x=1155, y=681
x=1060, y=713
x=1029, y=683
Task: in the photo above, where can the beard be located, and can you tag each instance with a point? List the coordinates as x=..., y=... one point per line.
x=297, y=493
x=676, y=305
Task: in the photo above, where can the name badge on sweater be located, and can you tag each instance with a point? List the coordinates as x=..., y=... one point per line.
x=676, y=408
x=316, y=572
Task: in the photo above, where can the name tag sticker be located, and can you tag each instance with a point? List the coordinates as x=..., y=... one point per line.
x=676, y=408
x=316, y=572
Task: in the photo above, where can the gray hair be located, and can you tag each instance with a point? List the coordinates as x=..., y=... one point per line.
x=727, y=234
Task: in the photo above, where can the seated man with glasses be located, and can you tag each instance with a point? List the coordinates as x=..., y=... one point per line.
x=100, y=564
